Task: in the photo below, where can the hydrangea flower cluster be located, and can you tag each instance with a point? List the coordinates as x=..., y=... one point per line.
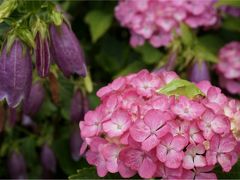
x=137, y=130
x=228, y=67
x=156, y=20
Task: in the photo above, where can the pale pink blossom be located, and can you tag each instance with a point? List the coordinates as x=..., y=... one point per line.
x=187, y=109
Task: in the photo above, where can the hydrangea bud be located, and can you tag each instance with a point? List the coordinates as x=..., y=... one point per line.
x=66, y=50
x=75, y=144
x=199, y=72
x=33, y=103
x=48, y=159
x=17, y=166
x=79, y=105
x=15, y=73
x=42, y=53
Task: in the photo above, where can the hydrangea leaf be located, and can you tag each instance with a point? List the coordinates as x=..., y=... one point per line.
x=180, y=87
x=235, y=3
x=149, y=54
x=99, y=22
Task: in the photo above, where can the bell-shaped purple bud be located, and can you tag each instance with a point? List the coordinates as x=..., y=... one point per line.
x=35, y=99
x=75, y=144
x=199, y=71
x=15, y=73
x=66, y=50
x=17, y=166
x=48, y=159
x=77, y=110
x=42, y=53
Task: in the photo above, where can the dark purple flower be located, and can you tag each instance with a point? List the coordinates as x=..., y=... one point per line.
x=66, y=50
x=48, y=159
x=77, y=110
x=15, y=73
x=199, y=71
x=35, y=99
x=75, y=144
x=233, y=11
x=16, y=166
x=42, y=53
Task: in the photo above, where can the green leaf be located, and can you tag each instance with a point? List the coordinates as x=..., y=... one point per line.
x=149, y=54
x=212, y=42
x=233, y=174
x=231, y=23
x=186, y=35
x=99, y=22
x=62, y=151
x=204, y=54
x=180, y=87
x=91, y=173
x=235, y=3
x=131, y=68
x=6, y=8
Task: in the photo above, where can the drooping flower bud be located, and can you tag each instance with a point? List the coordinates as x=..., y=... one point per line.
x=17, y=166
x=42, y=53
x=15, y=73
x=33, y=103
x=48, y=159
x=199, y=72
x=77, y=107
x=66, y=50
x=75, y=144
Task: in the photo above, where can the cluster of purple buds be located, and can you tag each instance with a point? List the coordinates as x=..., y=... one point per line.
x=16, y=166
x=60, y=45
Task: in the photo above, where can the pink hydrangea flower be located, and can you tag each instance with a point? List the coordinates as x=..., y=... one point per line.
x=169, y=151
x=156, y=21
x=229, y=56
x=137, y=130
x=187, y=109
x=222, y=151
x=149, y=130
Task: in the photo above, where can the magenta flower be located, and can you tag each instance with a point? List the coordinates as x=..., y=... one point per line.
x=148, y=131
x=211, y=124
x=15, y=73
x=194, y=157
x=169, y=151
x=229, y=57
x=222, y=151
x=92, y=124
x=138, y=160
x=119, y=123
x=187, y=109
x=146, y=22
